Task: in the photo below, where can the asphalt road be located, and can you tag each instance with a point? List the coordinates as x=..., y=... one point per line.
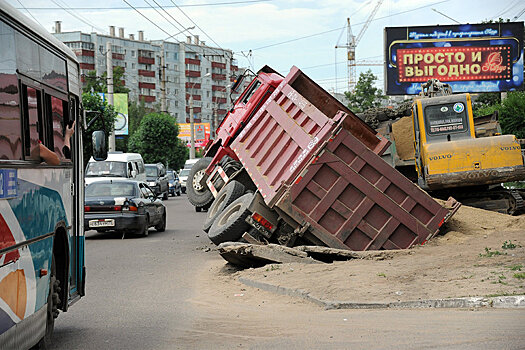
x=141, y=294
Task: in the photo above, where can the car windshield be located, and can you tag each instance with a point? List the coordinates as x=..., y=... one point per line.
x=170, y=176
x=106, y=168
x=151, y=171
x=184, y=172
x=115, y=189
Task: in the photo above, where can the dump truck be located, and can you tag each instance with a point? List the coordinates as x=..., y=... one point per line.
x=448, y=151
x=293, y=166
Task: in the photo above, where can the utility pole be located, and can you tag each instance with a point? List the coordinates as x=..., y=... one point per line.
x=109, y=63
x=215, y=121
x=192, y=128
x=163, y=82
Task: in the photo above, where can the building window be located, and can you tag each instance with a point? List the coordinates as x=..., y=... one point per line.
x=133, y=65
x=133, y=53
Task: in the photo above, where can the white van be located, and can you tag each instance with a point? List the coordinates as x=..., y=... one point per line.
x=117, y=165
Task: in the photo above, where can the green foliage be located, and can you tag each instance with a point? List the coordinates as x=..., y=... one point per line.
x=508, y=245
x=95, y=83
x=136, y=111
x=93, y=105
x=520, y=275
x=156, y=139
x=365, y=95
x=512, y=114
x=486, y=100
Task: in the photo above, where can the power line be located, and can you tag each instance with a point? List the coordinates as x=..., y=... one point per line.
x=339, y=28
x=30, y=14
x=146, y=7
x=219, y=46
x=78, y=17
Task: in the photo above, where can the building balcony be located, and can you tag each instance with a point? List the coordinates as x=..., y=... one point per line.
x=218, y=88
x=89, y=66
x=80, y=53
x=146, y=60
x=193, y=85
x=195, y=97
x=218, y=65
x=234, y=68
x=147, y=99
x=117, y=56
x=192, y=61
x=193, y=73
x=195, y=110
x=146, y=85
x=221, y=112
x=146, y=73
x=216, y=76
x=216, y=99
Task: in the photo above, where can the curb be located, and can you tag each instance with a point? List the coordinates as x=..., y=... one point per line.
x=501, y=302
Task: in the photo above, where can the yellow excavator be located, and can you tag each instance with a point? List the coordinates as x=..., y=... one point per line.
x=440, y=139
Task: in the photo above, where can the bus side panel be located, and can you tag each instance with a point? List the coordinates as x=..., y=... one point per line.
x=42, y=202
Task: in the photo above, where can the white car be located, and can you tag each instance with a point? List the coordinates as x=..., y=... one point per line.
x=183, y=177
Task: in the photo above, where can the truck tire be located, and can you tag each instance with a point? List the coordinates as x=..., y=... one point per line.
x=229, y=193
x=230, y=224
x=198, y=195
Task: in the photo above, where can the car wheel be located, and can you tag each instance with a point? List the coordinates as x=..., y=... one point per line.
x=178, y=193
x=161, y=226
x=227, y=194
x=199, y=195
x=52, y=308
x=165, y=196
x=231, y=223
x=144, y=231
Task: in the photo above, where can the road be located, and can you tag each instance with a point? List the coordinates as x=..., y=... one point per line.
x=163, y=292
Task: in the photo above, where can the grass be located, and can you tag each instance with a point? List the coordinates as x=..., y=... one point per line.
x=489, y=253
x=508, y=245
x=520, y=275
x=273, y=268
x=381, y=274
x=516, y=267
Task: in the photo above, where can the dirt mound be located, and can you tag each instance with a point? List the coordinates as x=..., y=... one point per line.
x=482, y=253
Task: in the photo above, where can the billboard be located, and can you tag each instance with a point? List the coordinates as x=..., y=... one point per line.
x=469, y=57
x=201, y=133
x=120, y=103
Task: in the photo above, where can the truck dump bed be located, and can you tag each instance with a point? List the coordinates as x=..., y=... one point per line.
x=314, y=160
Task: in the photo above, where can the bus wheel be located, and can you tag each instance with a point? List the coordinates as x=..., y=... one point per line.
x=52, y=308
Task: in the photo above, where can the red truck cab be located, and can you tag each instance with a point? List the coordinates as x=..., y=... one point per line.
x=245, y=107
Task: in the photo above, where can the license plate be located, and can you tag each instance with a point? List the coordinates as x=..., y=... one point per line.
x=103, y=223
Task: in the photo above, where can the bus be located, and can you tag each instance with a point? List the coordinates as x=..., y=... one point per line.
x=42, y=269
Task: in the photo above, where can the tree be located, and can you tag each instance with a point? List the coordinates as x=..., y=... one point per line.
x=365, y=95
x=96, y=83
x=156, y=139
x=511, y=113
x=94, y=106
x=136, y=111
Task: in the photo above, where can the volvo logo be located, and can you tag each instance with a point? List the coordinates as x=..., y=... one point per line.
x=441, y=156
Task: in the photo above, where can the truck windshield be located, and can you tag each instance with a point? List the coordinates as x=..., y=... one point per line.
x=446, y=118
x=105, y=168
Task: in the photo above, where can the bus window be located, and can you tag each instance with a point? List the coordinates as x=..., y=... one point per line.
x=11, y=140
x=31, y=115
x=60, y=118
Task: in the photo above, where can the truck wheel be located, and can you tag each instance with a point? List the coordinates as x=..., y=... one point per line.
x=199, y=195
x=229, y=193
x=231, y=223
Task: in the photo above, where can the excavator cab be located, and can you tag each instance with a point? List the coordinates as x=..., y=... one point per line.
x=447, y=152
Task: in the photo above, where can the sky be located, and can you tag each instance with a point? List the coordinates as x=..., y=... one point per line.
x=278, y=33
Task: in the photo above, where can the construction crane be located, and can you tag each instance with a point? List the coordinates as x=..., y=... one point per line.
x=351, y=44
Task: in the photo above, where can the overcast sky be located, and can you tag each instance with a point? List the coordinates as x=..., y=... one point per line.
x=279, y=33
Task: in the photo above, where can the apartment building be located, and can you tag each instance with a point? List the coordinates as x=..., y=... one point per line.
x=183, y=68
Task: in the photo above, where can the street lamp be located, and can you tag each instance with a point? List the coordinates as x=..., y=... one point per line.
x=192, y=122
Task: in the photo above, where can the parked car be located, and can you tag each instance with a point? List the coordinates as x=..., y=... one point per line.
x=123, y=205
x=157, y=179
x=174, y=183
x=117, y=165
x=183, y=176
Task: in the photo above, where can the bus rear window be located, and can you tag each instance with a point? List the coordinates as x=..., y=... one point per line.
x=446, y=118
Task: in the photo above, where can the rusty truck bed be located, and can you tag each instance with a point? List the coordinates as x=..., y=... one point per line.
x=312, y=159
